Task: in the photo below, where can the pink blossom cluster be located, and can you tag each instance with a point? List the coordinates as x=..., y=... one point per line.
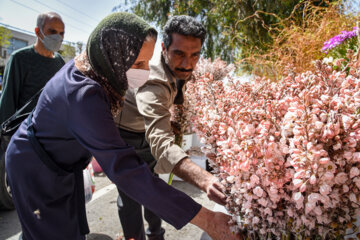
x=288, y=152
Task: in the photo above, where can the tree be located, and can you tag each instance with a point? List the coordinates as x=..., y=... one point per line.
x=67, y=51
x=236, y=28
x=5, y=35
x=79, y=47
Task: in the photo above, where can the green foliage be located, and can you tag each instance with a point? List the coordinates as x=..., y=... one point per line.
x=341, y=50
x=68, y=51
x=5, y=35
x=236, y=28
x=79, y=47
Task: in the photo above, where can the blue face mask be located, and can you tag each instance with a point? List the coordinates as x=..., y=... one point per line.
x=51, y=42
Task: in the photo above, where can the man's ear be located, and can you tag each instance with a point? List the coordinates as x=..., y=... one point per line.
x=37, y=31
x=163, y=48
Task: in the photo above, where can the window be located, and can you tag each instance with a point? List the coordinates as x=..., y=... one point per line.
x=15, y=44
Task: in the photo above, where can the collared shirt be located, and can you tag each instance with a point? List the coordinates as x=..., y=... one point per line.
x=147, y=109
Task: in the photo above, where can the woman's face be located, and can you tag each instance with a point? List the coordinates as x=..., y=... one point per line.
x=146, y=53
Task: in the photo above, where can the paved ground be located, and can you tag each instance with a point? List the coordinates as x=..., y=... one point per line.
x=104, y=223
x=103, y=218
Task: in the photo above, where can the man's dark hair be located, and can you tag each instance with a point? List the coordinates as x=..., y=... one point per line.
x=184, y=25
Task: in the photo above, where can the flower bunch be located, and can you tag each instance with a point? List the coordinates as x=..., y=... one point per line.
x=339, y=39
x=180, y=119
x=287, y=152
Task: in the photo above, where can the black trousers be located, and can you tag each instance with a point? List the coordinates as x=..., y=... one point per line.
x=130, y=212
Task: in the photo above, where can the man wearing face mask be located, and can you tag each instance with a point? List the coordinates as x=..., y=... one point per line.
x=27, y=71
x=145, y=122
x=30, y=68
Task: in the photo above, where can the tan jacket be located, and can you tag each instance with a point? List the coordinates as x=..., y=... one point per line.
x=146, y=109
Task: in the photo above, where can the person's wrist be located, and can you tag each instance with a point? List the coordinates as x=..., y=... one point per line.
x=202, y=218
x=208, y=181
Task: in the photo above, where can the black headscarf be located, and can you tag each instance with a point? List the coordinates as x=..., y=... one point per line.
x=112, y=49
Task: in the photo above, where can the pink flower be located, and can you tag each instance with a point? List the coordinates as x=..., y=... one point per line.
x=330, y=167
x=314, y=198
x=347, y=122
x=254, y=180
x=222, y=128
x=290, y=212
x=329, y=176
x=263, y=202
x=300, y=174
x=245, y=166
x=309, y=207
x=302, y=187
x=297, y=183
x=357, y=182
x=348, y=155
x=230, y=179
x=354, y=171
x=290, y=147
x=337, y=146
x=317, y=210
x=268, y=211
x=319, y=125
x=298, y=197
x=298, y=131
x=323, y=117
x=356, y=156
x=325, y=189
x=255, y=220
x=312, y=179
x=230, y=131
x=249, y=130
x=352, y=197
x=258, y=191
x=324, y=160
x=341, y=178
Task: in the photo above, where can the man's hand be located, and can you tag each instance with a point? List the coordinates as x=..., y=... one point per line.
x=214, y=191
x=192, y=173
x=215, y=224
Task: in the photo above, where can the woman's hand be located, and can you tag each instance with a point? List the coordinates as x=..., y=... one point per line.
x=215, y=224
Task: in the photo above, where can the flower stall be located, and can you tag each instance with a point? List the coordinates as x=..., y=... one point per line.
x=288, y=152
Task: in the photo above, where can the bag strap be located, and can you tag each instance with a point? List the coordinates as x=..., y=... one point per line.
x=15, y=115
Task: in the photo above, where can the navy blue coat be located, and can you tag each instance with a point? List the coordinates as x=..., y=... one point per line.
x=73, y=121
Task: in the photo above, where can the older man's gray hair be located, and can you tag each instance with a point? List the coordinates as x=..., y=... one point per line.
x=45, y=16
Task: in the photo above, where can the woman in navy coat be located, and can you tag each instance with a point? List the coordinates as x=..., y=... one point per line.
x=73, y=121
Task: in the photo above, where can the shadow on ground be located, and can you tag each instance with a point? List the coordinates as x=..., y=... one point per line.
x=98, y=236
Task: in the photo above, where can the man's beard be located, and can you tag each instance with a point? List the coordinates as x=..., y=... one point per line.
x=166, y=58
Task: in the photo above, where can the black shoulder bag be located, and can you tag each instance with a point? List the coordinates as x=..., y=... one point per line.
x=9, y=126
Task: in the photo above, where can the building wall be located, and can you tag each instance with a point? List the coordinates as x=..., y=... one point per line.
x=18, y=40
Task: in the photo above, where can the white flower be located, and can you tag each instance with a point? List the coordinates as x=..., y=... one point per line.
x=328, y=60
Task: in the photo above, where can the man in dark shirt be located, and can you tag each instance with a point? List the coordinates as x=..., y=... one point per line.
x=29, y=68
x=27, y=71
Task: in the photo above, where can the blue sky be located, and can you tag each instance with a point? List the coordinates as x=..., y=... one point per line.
x=80, y=16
